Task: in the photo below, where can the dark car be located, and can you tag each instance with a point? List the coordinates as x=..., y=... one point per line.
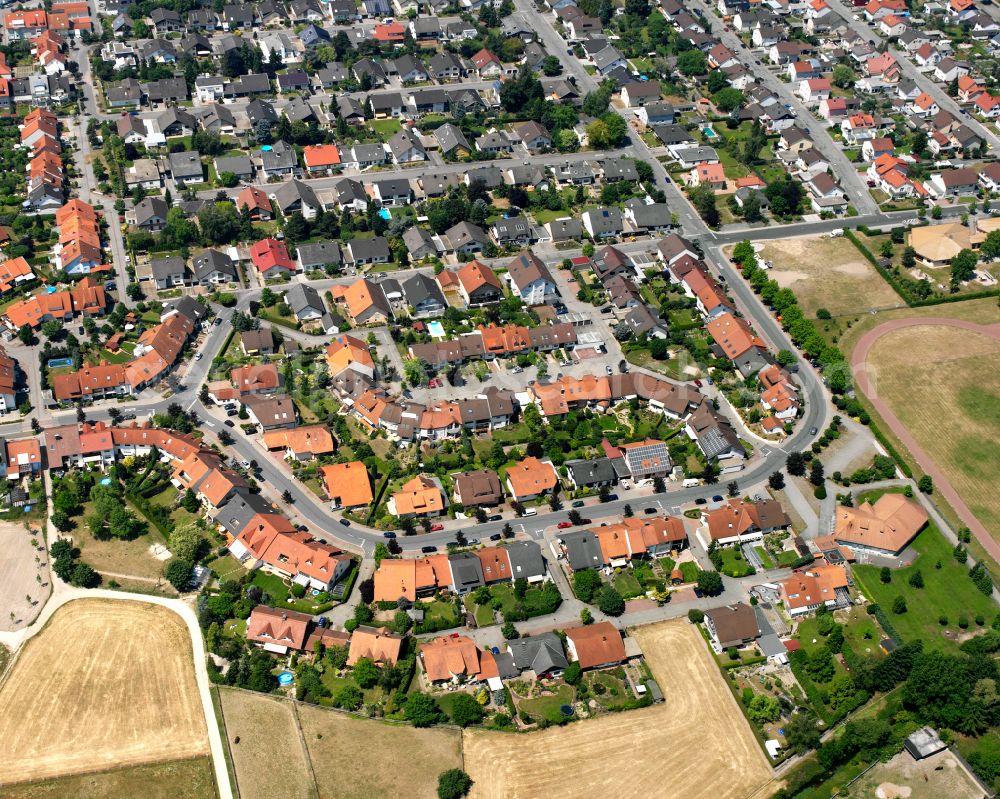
x=229, y=423
x=700, y=501
x=428, y=549
x=127, y=416
x=217, y=322
x=649, y=511
x=389, y=534
x=623, y=366
x=717, y=498
x=345, y=522
x=495, y=537
x=578, y=504
x=496, y=517
x=612, y=497
x=813, y=431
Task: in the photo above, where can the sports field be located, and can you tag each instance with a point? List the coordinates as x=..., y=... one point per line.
x=828, y=273
x=938, y=379
x=902, y=777
x=105, y=684
x=696, y=745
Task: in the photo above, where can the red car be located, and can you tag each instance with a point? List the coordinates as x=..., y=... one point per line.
x=564, y=525
x=436, y=527
x=697, y=383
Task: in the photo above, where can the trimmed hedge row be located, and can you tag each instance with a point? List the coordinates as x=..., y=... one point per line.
x=890, y=630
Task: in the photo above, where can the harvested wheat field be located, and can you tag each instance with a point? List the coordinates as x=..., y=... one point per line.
x=269, y=752
x=335, y=739
x=696, y=744
x=828, y=273
x=106, y=683
x=934, y=377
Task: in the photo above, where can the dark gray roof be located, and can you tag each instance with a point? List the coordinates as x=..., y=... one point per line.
x=590, y=472
x=540, y=653
x=187, y=306
x=295, y=191
x=466, y=571
x=238, y=511
x=320, y=252
x=300, y=296
x=583, y=550
x=185, y=165
x=239, y=165
x=525, y=558
x=420, y=288
x=164, y=267
x=210, y=261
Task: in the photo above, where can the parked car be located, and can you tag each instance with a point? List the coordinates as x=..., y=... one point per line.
x=345, y=522
x=495, y=537
x=612, y=497
x=436, y=528
x=649, y=511
x=564, y=525
x=700, y=501
x=609, y=370
x=586, y=521
x=389, y=534
x=245, y=464
x=623, y=366
x=229, y=423
x=697, y=383
x=496, y=517
x=199, y=355
x=717, y=498
x=218, y=321
x=428, y=549
x=578, y=503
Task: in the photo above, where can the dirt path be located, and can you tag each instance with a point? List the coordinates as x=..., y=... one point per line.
x=862, y=379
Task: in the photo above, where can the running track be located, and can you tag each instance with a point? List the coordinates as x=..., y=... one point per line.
x=859, y=369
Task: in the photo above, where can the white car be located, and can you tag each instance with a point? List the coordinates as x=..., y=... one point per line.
x=198, y=356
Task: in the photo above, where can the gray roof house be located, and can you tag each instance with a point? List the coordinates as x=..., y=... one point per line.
x=150, y=214
x=369, y=251
x=318, y=254
x=466, y=572
x=168, y=272
x=419, y=243
x=280, y=159
x=451, y=140
x=213, y=266
x=297, y=196
x=466, y=238
x=542, y=654
x=565, y=229
x=603, y=222
x=583, y=550
x=526, y=561
x=589, y=473
x=424, y=295
x=305, y=302
x=239, y=165
x=236, y=514
x=405, y=147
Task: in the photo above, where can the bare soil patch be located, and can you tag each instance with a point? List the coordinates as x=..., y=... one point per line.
x=902, y=777
x=335, y=739
x=20, y=573
x=828, y=273
x=699, y=731
x=107, y=683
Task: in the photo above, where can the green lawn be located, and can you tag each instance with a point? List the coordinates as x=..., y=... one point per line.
x=689, y=571
x=615, y=692
x=384, y=127
x=442, y=614
x=626, y=584
x=947, y=591
x=278, y=591
x=787, y=557
x=548, y=707
x=733, y=562
x=764, y=557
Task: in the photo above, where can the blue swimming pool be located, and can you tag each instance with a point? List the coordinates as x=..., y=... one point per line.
x=709, y=133
x=385, y=214
x=55, y=363
x=436, y=329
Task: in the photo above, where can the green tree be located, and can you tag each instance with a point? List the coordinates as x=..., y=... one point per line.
x=710, y=583
x=365, y=673
x=926, y=484
x=692, y=62
x=573, y=673
x=586, y=583
x=610, y=602
x=186, y=542
x=465, y=710
x=763, y=709
x=422, y=710
x=843, y=76
x=453, y=784
x=885, y=575
x=963, y=268
x=178, y=574
x=899, y=605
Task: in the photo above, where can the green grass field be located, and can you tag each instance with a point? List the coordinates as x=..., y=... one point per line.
x=734, y=564
x=548, y=707
x=947, y=591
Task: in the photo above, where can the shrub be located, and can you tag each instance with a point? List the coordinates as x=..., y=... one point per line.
x=963, y=621
x=297, y=591
x=899, y=605
x=453, y=784
x=943, y=620
x=696, y=616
